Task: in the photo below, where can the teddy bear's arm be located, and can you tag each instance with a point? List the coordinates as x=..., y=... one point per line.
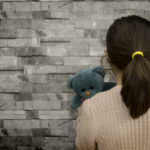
x=75, y=102
x=108, y=85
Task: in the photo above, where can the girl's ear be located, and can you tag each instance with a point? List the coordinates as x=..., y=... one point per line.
x=69, y=82
x=107, y=57
x=99, y=70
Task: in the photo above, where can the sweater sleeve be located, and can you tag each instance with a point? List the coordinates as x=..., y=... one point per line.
x=84, y=131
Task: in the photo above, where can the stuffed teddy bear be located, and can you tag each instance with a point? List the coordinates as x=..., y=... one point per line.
x=86, y=83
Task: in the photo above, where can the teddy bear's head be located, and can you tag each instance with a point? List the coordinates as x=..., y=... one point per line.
x=87, y=82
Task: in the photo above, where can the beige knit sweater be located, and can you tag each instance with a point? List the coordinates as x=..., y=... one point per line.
x=104, y=120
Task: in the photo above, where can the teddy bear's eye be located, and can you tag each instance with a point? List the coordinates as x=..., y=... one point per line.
x=91, y=87
x=83, y=89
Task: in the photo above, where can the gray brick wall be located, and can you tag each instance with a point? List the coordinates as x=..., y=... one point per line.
x=42, y=43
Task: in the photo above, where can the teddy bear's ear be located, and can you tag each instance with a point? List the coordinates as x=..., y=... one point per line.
x=99, y=70
x=69, y=82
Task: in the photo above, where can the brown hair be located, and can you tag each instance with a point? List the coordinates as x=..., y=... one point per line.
x=125, y=36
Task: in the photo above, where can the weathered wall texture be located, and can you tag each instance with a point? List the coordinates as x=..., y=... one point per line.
x=42, y=43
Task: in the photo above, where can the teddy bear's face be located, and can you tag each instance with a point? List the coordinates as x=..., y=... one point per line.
x=88, y=84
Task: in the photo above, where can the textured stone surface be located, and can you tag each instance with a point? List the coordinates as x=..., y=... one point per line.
x=42, y=43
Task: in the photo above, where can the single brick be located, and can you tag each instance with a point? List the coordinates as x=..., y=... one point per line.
x=32, y=42
x=62, y=9
x=39, y=96
x=7, y=105
x=26, y=87
x=58, y=143
x=28, y=105
x=58, y=50
x=60, y=96
x=40, y=88
x=57, y=24
x=93, y=23
x=64, y=34
x=32, y=114
x=37, y=78
x=31, y=69
x=7, y=33
x=27, y=33
x=19, y=132
x=35, y=124
x=21, y=51
x=69, y=68
x=37, y=24
x=43, y=14
x=81, y=60
x=41, y=132
x=57, y=83
x=17, y=6
x=62, y=127
x=6, y=97
x=9, y=124
x=10, y=83
x=39, y=105
x=3, y=42
x=94, y=33
x=36, y=5
x=23, y=96
x=19, y=105
x=19, y=140
x=12, y=114
x=41, y=60
x=38, y=141
x=23, y=124
x=13, y=14
x=44, y=123
x=43, y=114
x=8, y=61
x=16, y=23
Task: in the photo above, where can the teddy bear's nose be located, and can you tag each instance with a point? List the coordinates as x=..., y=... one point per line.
x=87, y=93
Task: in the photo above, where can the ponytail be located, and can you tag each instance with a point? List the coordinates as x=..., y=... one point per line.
x=135, y=90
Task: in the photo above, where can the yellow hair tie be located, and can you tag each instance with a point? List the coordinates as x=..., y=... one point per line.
x=137, y=52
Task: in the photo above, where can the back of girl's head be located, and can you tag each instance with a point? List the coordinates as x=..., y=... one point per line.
x=125, y=36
